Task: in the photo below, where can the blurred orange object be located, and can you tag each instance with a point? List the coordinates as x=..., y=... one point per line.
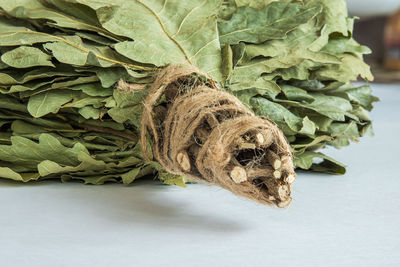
x=392, y=42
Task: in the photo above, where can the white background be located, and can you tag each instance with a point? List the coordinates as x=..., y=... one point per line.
x=351, y=220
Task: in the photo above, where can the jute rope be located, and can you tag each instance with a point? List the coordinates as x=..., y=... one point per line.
x=208, y=135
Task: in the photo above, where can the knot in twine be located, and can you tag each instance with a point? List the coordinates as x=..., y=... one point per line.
x=208, y=135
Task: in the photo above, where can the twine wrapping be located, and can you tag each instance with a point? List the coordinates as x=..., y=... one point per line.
x=208, y=135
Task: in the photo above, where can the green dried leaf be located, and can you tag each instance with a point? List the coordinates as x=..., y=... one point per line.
x=172, y=179
x=333, y=18
x=273, y=21
x=130, y=176
x=310, y=144
x=28, y=153
x=227, y=62
x=276, y=113
x=110, y=76
x=332, y=107
x=128, y=114
x=297, y=94
x=71, y=50
x=350, y=68
x=89, y=112
x=26, y=57
x=343, y=132
x=87, y=21
x=12, y=77
x=8, y=173
x=360, y=95
x=48, y=167
x=20, y=127
x=83, y=101
x=298, y=39
x=345, y=45
x=305, y=161
x=64, y=84
x=48, y=102
x=186, y=32
x=10, y=103
x=24, y=37
x=308, y=127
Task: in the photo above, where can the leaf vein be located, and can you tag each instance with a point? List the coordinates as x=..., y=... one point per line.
x=165, y=30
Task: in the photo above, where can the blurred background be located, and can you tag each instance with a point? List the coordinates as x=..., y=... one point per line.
x=378, y=27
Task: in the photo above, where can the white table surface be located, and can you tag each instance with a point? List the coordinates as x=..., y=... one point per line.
x=350, y=220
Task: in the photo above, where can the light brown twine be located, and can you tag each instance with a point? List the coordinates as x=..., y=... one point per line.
x=208, y=135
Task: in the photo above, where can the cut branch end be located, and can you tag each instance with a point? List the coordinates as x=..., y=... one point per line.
x=183, y=161
x=238, y=174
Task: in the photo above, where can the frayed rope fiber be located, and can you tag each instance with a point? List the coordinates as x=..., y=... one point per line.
x=208, y=135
